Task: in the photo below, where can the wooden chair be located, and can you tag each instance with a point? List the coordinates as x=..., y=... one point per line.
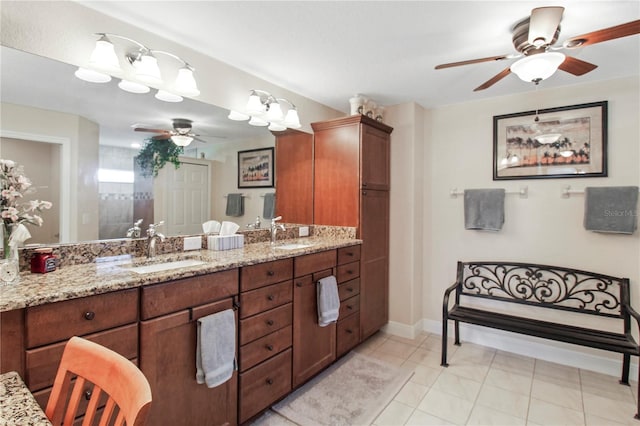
x=99, y=371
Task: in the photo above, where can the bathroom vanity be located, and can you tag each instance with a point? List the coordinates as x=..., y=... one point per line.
x=151, y=319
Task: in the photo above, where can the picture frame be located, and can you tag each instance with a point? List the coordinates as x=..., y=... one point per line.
x=256, y=168
x=563, y=142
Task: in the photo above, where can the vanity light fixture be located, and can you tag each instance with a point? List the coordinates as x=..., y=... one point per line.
x=537, y=67
x=264, y=109
x=104, y=63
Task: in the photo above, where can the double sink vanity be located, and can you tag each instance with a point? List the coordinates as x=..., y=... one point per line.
x=147, y=310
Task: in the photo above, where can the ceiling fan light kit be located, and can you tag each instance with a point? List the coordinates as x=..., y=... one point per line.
x=181, y=140
x=264, y=109
x=104, y=62
x=534, y=38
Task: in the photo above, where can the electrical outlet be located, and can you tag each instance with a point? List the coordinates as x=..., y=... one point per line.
x=303, y=231
x=192, y=243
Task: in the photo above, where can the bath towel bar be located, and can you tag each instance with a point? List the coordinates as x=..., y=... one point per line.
x=567, y=191
x=523, y=192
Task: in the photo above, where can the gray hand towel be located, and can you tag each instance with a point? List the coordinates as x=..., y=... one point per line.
x=484, y=209
x=235, y=205
x=269, y=207
x=216, y=348
x=611, y=209
x=328, y=301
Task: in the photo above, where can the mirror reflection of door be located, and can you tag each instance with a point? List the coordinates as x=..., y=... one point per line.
x=182, y=197
x=41, y=163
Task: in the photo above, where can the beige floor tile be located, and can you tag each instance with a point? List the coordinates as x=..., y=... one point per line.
x=424, y=375
x=420, y=418
x=447, y=407
x=400, y=350
x=514, y=363
x=417, y=341
x=457, y=386
x=411, y=394
x=557, y=394
x=509, y=380
x=271, y=418
x=433, y=342
x=469, y=370
x=604, y=385
x=613, y=409
x=374, y=341
x=391, y=359
x=504, y=401
x=394, y=414
x=544, y=413
x=483, y=416
x=556, y=372
x=593, y=420
x=425, y=357
x=473, y=354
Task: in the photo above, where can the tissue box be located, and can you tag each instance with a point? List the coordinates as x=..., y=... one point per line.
x=225, y=242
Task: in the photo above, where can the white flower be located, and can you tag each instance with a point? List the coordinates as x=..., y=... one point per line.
x=13, y=185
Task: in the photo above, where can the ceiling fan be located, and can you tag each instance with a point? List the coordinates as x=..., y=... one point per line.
x=534, y=38
x=180, y=135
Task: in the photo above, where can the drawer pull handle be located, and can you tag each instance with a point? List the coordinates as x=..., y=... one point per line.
x=269, y=347
x=89, y=315
x=87, y=394
x=269, y=381
x=350, y=289
x=349, y=271
x=269, y=322
x=349, y=307
x=349, y=331
x=350, y=253
x=270, y=297
x=271, y=273
x=298, y=284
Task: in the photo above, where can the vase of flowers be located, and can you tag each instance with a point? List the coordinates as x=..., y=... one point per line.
x=15, y=214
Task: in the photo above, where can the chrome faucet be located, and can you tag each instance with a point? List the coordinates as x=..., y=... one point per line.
x=274, y=228
x=135, y=231
x=152, y=236
x=256, y=224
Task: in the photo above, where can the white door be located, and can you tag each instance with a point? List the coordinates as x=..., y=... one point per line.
x=185, y=204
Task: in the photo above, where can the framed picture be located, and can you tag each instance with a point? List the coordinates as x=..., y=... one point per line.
x=255, y=168
x=562, y=142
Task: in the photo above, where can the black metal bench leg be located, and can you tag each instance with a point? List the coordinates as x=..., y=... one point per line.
x=443, y=362
x=637, y=416
x=456, y=325
x=626, y=360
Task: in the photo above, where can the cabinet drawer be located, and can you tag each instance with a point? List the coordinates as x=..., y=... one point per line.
x=349, y=306
x=262, y=274
x=349, y=289
x=59, y=321
x=348, y=334
x=264, y=348
x=309, y=263
x=264, y=384
x=42, y=363
x=256, y=301
x=172, y=296
x=348, y=254
x=265, y=323
x=348, y=272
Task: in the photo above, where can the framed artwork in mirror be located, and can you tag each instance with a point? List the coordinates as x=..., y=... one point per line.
x=255, y=168
x=561, y=142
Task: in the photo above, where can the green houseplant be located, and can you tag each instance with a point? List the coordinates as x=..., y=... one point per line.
x=155, y=154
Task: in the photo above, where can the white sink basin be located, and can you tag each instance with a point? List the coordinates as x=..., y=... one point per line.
x=166, y=266
x=293, y=246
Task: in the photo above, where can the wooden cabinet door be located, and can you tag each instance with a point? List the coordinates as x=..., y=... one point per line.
x=167, y=359
x=294, y=176
x=314, y=347
x=374, y=263
x=375, y=150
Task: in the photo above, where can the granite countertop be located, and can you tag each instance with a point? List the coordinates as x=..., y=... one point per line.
x=19, y=407
x=112, y=273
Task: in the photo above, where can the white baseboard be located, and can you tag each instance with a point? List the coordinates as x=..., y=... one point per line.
x=523, y=345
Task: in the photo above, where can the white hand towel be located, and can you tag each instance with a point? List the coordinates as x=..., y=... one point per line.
x=328, y=301
x=216, y=348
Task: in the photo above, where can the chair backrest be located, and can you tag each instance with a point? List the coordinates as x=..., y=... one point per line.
x=100, y=374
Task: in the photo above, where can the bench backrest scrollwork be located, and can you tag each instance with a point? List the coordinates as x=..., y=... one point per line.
x=545, y=286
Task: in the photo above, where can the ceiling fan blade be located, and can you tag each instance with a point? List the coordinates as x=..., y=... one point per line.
x=505, y=72
x=164, y=137
x=142, y=129
x=543, y=24
x=606, y=34
x=197, y=139
x=474, y=61
x=576, y=66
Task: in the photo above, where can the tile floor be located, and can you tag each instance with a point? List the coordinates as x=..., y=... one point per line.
x=483, y=386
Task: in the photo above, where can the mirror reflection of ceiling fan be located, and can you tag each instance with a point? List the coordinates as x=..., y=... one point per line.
x=181, y=134
x=534, y=38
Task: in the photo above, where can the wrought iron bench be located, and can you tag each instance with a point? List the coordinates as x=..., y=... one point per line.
x=550, y=287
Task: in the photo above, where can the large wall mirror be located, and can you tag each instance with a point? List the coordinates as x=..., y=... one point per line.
x=74, y=139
